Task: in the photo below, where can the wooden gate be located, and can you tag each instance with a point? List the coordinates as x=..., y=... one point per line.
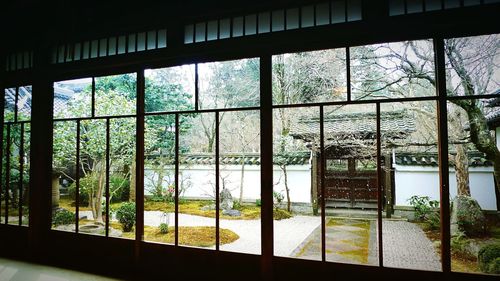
x=349, y=184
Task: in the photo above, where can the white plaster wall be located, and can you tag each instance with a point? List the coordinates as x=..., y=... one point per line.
x=200, y=180
x=424, y=181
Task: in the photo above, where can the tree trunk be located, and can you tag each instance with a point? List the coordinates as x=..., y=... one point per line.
x=462, y=170
x=55, y=192
x=159, y=182
x=288, y=203
x=481, y=137
x=132, y=181
x=242, y=177
x=100, y=190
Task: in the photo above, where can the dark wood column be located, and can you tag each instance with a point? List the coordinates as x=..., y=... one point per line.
x=41, y=156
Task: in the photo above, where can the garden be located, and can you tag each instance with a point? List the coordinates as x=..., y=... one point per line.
x=185, y=131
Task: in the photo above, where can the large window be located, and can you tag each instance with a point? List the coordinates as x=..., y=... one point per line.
x=358, y=137
x=94, y=175
x=15, y=153
x=201, y=162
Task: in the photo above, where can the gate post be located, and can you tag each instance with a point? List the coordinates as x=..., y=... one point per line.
x=388, y=186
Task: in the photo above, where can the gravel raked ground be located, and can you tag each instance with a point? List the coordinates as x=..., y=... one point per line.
x=288, y=234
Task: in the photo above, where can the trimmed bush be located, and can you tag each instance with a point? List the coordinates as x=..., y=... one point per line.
x=62, y=217
x=126, y=216
x=280, y=214
x=488, y=255
x=163, y=228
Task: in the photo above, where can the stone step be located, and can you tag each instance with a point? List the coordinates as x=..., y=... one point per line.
x=358, y=213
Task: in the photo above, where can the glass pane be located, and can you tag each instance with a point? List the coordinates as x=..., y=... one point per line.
x=188, y=34
x=151, y=40
x=60, y=56
x=264, y=22
x=26, y=60
x=94, y=51
x=229, y=84
x=471, y=2
x=14, y=172
x=278, y=20
x=449, y=4
x=9, y=104
x=350, y=182
x=103, y=47
x=197, y=180
x=251, y=24
x=162, y=38
x=307, y=16
x=64, y=177
x=411, y=188
x=292, y=18
x=131, y=43
x=338, y=11
x=77, y=51
x=473, y=142
x=112, y=46
x=225, y=28
x=323, y=14
x=393, y=70
x=414, y=6
x=472, y=65
x=239, y=167
x=432, y=5
x=86, y=49
x=115, y=95
x=200, y=32
x=141, y=41
x=122, y=178
x=295, y=207
x=93, y=176
x=397, y=7
x=212, y=30
x=159, y=178
x=122, y=43
x=24, y=103
x=237, y=26
x=13, y=62
x=25, y=201
x=308, y=77
x=170, y=89
x=19, y=60
x=73, y=98
x=353, y=10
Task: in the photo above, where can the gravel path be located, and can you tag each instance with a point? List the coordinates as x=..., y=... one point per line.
x=406, y=246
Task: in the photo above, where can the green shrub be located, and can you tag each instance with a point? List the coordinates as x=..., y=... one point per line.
x=163, y=228
x=487, y=255
x=118, y=185
x=424, y=207
x=258, y=202
x=62, y=217
x=277, y=198
x=494, y=267
x=126, y=216
x=236, y=205
x=280, y=214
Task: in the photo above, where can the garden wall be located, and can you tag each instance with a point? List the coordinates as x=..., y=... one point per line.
x=424, y=181
x=199, y=181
